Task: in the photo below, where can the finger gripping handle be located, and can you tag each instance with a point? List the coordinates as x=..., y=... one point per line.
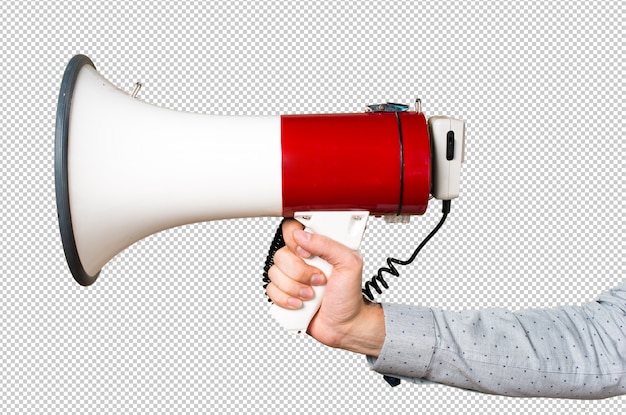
x=346, y=227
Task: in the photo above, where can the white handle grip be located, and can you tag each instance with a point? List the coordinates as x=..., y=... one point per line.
x=346, y=227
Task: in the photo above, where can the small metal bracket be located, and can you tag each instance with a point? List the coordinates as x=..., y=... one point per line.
x=418, y=105
x=135, y=90
x=397, y=218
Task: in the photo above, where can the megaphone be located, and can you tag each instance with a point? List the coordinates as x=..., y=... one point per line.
x=126, y=169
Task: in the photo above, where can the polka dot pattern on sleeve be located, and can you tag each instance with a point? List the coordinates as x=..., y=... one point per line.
x=568, y=352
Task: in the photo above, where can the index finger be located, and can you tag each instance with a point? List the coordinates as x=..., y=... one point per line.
x=289, y=226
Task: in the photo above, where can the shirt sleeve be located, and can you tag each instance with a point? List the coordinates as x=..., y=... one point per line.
x=566, y=352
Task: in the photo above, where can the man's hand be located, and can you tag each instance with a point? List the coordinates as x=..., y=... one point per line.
x=345, y=319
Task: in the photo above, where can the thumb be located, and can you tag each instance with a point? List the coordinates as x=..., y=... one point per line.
x=335, y=253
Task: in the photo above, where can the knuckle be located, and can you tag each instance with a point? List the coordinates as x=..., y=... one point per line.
x=283, y=283
x=291, y=265
x=280, y=256
x=302, y=272
x=289, y=226
x=354, y=260
x=270, y=290
x=272, y=272
x=276, y=295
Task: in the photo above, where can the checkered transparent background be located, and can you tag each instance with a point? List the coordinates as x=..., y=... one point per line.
x=178, y=322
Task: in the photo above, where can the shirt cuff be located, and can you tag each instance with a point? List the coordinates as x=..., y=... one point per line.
x=410, y=339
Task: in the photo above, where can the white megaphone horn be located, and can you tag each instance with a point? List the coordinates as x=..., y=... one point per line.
x=125, y=169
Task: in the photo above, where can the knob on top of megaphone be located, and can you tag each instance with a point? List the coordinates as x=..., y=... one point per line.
x=126, y=169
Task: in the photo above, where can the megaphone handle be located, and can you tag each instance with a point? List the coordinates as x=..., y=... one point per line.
x=346, y=227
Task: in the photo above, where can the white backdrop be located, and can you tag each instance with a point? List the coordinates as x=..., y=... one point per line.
x=178, y=322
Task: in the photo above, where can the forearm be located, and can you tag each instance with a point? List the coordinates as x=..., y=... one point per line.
x=366, y=335
x=575, y=352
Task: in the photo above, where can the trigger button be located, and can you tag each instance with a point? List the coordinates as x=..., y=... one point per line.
x=450, y=145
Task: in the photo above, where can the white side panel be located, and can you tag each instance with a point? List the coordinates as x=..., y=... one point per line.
x=136, y=169
x=446, y=170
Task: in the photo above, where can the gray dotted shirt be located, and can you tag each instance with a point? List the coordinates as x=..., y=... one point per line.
x=566, y=352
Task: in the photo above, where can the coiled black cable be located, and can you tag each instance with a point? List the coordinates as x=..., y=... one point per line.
x=391, y=269
x=277, y=243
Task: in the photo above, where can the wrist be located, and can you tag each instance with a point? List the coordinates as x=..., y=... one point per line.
x=366, y=334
